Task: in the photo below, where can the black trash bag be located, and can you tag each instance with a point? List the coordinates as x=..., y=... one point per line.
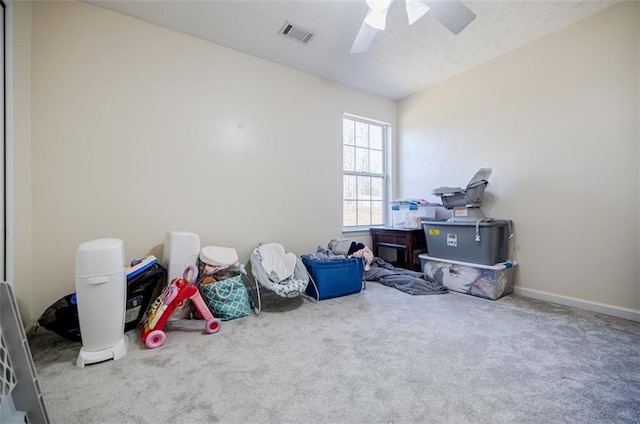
x=62, y=316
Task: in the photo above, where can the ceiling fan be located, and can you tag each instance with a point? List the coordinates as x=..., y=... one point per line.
x=451, y=13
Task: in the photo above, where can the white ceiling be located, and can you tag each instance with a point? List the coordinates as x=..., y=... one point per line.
x=401, y=61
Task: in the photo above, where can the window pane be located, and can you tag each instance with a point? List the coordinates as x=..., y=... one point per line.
x=361, y=134
x=376, y=188
x=349, y=213
x=375, y=160
x=348, y=158
x=349, y=183
x=348, y=135
x=364, y=172
x=364, y=213
x=376, y=213
x=364, y=188
x=375, y=137
x=362, y=160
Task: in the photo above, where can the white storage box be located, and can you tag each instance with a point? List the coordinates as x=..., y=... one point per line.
x=181, y=249
x=409, y=215
x=487, y=281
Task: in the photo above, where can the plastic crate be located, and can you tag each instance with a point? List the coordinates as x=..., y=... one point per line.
x=409, y=215
x=487, y=281
x=484, y=242
x=20, y=395
x=334, y=278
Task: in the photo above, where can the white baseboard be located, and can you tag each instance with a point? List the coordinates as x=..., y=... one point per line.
x=30, y=326
x=601, y=308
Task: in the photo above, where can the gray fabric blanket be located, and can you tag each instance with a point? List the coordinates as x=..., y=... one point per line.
x=324, y=254
x=410, y=282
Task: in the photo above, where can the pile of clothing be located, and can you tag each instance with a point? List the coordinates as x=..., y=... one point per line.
x=339, y=250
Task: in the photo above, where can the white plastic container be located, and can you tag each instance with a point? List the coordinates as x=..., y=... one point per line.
x=410, y=215
x=101, y=293
x=181, y=249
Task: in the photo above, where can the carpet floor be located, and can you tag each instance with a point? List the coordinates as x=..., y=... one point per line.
x=379, y=356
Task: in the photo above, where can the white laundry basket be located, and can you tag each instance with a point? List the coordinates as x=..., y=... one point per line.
x=101, y=293
x=21, y=398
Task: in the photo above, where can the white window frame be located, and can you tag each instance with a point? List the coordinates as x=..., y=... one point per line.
x=386, y=130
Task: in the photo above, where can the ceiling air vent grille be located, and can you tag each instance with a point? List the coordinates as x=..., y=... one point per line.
x=295, y=33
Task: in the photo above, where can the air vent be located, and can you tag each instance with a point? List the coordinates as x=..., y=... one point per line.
x=295, y=33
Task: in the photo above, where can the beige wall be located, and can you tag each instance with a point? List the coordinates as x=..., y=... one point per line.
x=135, y=130
x=638, y=34
x=18, y=200
x=138, y=130
x=557, y=120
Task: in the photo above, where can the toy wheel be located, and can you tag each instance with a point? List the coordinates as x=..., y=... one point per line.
x=155, y=339
x=213, y=325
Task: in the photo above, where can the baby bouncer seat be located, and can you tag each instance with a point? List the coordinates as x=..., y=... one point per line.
x=278, y=270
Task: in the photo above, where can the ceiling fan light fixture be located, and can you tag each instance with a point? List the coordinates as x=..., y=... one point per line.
x=416, y=9
x=376, y=19
x=452, y=14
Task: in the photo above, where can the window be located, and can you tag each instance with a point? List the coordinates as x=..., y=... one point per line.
x=363, y=172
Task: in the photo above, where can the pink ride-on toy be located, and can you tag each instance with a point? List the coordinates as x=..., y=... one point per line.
x=172, y=296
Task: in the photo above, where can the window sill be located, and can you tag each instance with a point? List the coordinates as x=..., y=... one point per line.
x=356, y=231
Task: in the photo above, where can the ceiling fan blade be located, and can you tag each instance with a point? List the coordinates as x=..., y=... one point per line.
x=454, y=15
x=363, y=40
x=416, y=9
x=377, y=19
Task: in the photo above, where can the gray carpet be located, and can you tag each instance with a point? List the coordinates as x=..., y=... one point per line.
x=380, y=356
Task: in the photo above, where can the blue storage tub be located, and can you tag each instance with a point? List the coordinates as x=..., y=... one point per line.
x=334, y=278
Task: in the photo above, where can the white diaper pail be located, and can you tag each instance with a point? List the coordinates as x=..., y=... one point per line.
x=101, y=293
